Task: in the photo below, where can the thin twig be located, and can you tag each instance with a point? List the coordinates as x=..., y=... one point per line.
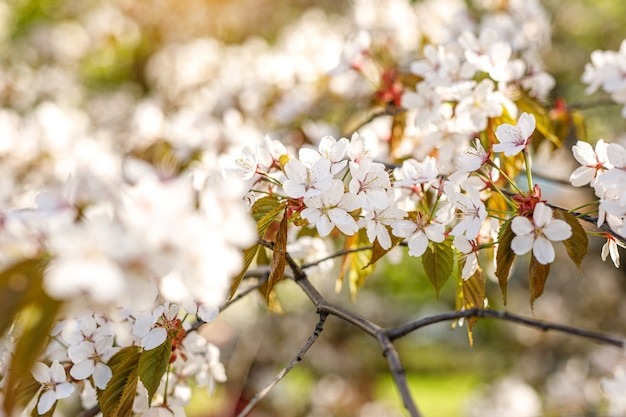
x=262, y=393
x=336, y=255
x=403, y=330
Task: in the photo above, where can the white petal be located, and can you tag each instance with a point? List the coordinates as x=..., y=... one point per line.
x=207, y=312
x=526, y=124
x=403, y=228
x=296, y=171
x=154, y=338
x=521, y=244
x=522, y=226
x=343, y=221
x=81, y=352
x=384, y=240
x=582, y=176
x=64, y=390
x=350, y=202
x=418, y=242
x=41, y=372
x=324, y=226
x=584, y=154
x=143, y=324
x=46, y=401
x=557, y=230
x=58, y=372
x=542, y=215
x=82, y=370
x=294, y=189
x=102, y=375
x=543, y=250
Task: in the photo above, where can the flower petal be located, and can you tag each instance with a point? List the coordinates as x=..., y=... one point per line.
x=46, y=401
x=82, y=370
x=543, y=250
x=522, y=226
x=557, y=230
x=154, y=338
x=521, y=244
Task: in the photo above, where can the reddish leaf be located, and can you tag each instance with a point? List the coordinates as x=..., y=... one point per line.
x=378, y=252
x=504, y=257
x=537, y=277
x=277, y=270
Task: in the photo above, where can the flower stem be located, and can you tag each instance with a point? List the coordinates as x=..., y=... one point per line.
x=529, y=175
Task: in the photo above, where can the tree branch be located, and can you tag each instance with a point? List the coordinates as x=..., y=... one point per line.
x=403, y=330
x=261, y=394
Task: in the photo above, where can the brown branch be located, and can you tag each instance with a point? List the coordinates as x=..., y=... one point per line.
x=403, y=330
x=261, y=394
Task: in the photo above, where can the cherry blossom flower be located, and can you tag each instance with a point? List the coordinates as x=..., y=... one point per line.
x=377, y=221
x=151, y=327
x=474, y=213
x=593, y=163
x=514, y=139
x=419, y=231
x=329, y=148
x=54, y=383
x=473, y=158
x=536, y=235
x=304, y=182
x=332, y=209
x=370, y=182
x=482, y=103
x=467, y=247
x=611, y=248
x=90, y=358
x=412, y=173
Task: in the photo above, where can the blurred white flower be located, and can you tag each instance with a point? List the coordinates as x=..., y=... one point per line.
x=593, y=163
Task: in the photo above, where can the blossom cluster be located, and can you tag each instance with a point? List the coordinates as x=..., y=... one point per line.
x=82, y=346
x=607, y=70
x=339, y=185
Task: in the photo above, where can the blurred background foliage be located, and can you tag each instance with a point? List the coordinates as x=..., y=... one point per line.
x=344, y=374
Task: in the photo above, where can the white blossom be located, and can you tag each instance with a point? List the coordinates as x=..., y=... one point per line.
x=514, y=139
x=332, y=209
x=54, y=384
x=304, y=182
x=537, y=235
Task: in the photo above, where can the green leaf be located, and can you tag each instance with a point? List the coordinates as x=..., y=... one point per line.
x=35, y=321
x=473, y=297
x=279, y=255
x=359, y=262
x=264, y=211
x=504, y=257
x=248, y=256
x=117, y=398
x=438, y=261
x=19, y=285
x=152, y=366
x=537, y=277
x=578, y=243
